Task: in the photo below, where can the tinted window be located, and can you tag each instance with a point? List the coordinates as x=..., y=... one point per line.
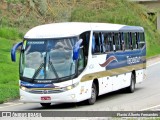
x=134, y=40
x=117, y=38
x=108, y=42
x=141, y=41
x=126, y=40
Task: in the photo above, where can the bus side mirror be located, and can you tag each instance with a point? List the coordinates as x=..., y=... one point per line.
x=13, y=51
x=76, y=49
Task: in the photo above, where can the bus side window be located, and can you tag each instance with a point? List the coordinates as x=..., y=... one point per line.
x=133, y=40
x=137, y=40
x=126, y=40
x=97, y=43
x=141, y=40
x=111, y=41
x=113, y=45
x=117, y=41
x=122, y=41
x=106, y=42
x=102, y=43
x=93, y=43
x=85, y=47
x=130, y=41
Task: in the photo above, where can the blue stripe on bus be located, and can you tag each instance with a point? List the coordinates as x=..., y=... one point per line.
x=124, y=58
x=36, y=85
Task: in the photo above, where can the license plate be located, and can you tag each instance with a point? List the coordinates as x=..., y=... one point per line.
x=46, y=98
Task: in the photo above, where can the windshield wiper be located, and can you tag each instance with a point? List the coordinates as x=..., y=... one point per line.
x=54, y=70
x=38, y=70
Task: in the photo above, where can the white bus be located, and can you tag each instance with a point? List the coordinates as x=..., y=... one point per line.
x=76, y=61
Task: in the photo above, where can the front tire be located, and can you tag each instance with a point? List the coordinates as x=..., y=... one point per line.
x=93, y=98
x=131, y=88
x=45, y=104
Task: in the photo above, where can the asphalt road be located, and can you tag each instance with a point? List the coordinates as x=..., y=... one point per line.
x=145, y=97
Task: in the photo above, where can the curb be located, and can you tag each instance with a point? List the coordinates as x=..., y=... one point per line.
x=153, y=57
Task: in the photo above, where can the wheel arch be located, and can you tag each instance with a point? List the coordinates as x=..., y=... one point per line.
x=134, y=73
x=96, y=82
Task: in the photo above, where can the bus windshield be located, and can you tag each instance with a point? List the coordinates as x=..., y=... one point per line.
x=47, y=59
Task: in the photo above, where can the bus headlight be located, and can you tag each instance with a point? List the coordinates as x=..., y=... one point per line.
x=62, y=89
x=24, y=88
x=70, y=87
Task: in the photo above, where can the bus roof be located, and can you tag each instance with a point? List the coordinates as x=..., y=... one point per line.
x=69, y=29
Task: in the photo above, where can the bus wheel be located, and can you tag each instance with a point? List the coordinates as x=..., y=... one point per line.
x=45, y=104
x=93, y=98
x=131, y=88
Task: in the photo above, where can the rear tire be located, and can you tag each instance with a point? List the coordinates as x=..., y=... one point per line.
x=93, y=98
x=131, y=88
x=45, y=104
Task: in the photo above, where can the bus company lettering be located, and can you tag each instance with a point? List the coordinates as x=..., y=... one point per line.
x=133, y=60
x=35, y=42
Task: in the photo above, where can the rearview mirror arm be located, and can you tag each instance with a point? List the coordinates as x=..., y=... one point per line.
x=13, y=51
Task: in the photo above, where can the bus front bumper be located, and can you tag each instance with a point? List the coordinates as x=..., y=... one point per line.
x=76, y=94
x=63, y=97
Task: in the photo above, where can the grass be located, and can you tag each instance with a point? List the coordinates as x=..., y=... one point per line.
x=8, y=92
x=9, y=33
x=8, y=70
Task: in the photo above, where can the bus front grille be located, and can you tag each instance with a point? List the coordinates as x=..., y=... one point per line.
x=45, y=91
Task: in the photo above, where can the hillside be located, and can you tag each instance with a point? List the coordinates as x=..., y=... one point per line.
x=122, y=12
x=18, y=16
x=25, y=14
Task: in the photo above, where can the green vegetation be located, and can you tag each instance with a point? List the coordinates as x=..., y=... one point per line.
x=8, y=92
x=9, y=33
x=8, y=70
x=18, y=16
